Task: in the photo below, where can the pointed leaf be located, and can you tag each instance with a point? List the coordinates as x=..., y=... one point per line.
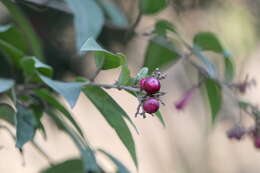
x=121, y=168
x=162, y=26
x=104, y=58
x=149, y=7
x=159, y=115
x=88, y=19
x=68, y=166
x=69, y=90
x=125, y=73
x=25, y=127
x=141, y=74
x=160, y=53
x=213, y=90
x=113, y=114
x=229, y=69
x=50, y=99
x=6, y=84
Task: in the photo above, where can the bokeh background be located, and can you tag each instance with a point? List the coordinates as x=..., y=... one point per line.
x=188, y=143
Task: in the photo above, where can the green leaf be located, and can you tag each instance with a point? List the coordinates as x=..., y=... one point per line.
x=6, y=84
x=162, y=26
x=159, y=115
x=121, y=168
x=69, y=90
x=31, y=65
x=114, y=13
x=32, y=40
x=88, y=19
x=125, y=73
x=104, y=58
x=149, y=7
x=229, y=69
x=25, y=127
x=7, y=113
x=87, y=155
x=68, y=166
x=141, y=74
x=213, y=90
x=49, y=98
x=159, y=53
x=113, y=114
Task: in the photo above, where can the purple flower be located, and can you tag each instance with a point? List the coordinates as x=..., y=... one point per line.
x=184, y=99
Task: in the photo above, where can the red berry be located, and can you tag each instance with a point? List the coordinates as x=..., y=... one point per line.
x=152, y=85
x=141, y=83
x=151, y=105
x=257, y=141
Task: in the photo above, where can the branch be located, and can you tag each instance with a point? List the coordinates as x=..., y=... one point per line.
x=109, y=86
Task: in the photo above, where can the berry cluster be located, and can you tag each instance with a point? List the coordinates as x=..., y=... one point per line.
x=150, y=101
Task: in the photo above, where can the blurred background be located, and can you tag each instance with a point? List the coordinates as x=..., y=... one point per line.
x=188, y=143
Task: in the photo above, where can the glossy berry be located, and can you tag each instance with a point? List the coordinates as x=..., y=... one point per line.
x=236, y=132
x=152, y=85
x=151, y=105
x=257, y=141
x=141, y=83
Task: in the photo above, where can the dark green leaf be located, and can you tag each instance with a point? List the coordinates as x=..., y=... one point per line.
x=213, y=90
x=125, y=73
x=87, y=155
x=121, y=168
x=229, y=69
x=162, y=26
x=113, y=114
x=49, y=98
x=69, y=90
x=88, y=19
x=25, y=127
x=149, y=7
x=159, y=53
x=7, y=113
x=31, y=65
x=6, y=84
x=104, y=58
x=31, y=38
x=159, y=115
x=68, y=166
x=244, y=105
x=114, y=13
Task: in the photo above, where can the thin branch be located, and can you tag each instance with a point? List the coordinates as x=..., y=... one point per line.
x=109, y=86
x=135, y=24
x=42, y=152
x=93, y=77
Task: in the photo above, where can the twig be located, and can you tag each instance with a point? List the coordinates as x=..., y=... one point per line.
x=135, y=24
x=93, y=77
x=42, y=152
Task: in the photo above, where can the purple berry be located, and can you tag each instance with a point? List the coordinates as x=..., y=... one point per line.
x=151, y=105
x=257, y=141
x=141, y=83
x=236, y=132
x=152, y=85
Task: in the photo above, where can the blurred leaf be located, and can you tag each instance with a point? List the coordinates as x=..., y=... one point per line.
x=141, y=74
x=159, y=53
x=159, y=115
x=125, y=73
x=30, y=36
x=49, y=98
x=114, y=13
x=88, y=20
x=25, y=127
x=31, y=65
x=149, y=7
x=69, y=90
x=87, y=155
x=68, y=166
x=162, y=26
x=215, y=97
x=7, y=113
x=6, y=84
x=210, y=67
x=244, y=105
x=229, y=69
x=104, y=58
x=113, y=114
x=121, y=168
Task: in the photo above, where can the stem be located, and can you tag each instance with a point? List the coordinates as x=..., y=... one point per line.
x=42, y=152
x=135, y=24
